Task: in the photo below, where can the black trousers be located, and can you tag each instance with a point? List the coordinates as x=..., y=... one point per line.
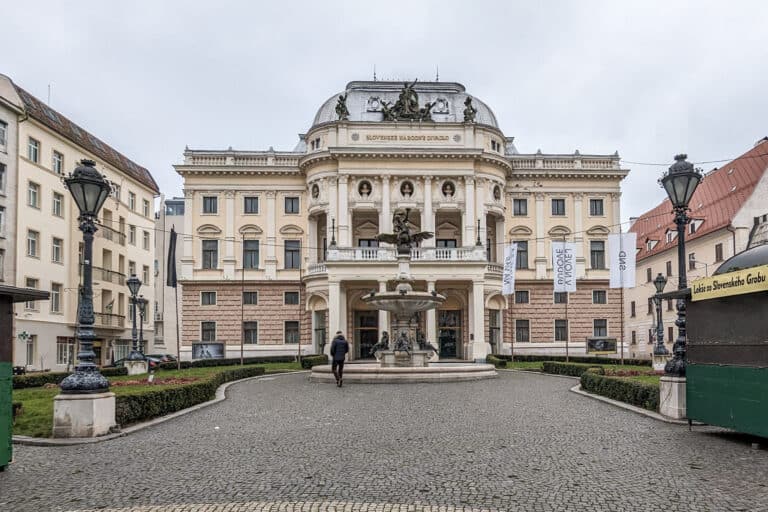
x=340, y=366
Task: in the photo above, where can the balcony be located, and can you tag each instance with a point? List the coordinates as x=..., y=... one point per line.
x=108, y=275
x=112, y=234
x=418, y=254
x=109, y=320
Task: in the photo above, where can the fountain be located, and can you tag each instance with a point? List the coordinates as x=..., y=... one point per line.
x=408, y=356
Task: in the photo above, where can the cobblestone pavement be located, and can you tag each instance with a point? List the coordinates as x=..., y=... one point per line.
x=519, y=442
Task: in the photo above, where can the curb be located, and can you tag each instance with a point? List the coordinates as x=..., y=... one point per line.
x=529, y=372
x=632, y=408
x=221, y=395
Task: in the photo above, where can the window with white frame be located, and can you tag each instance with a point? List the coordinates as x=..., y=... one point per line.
x=116, y=189
x=33, y=195
x=31, y=350
x=210, y=254
x=558, y=207
x=596, y=208
x=291, y=331
x=210, y=205
x=2, y=220
x=561, y=330
x=131, y=268
x=132, y=235
x=57, y=164
x=65, y=350
x=55, y=300
x=132, y=201
x=291, y=298
x=3, y=134
x=31, y=282
x=599, y=297
x=145, y=275
x=33, y=243
x=522, y=331
x=58, y=205
x=291, y=205
x=522, y=296
x=2, y=264
x=251, y=332
x=520, y=207
x=145, y=240
x=57, y=250
x=251, y=298
x=2, y=178
x=292, y=254
x=251, y=205
x=250, y=254
x=145, y=207
x=33, y=150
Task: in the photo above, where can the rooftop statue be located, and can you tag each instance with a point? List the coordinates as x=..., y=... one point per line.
x=402, y=236
x=469, y=112
x=341, y=108
x=406, y=108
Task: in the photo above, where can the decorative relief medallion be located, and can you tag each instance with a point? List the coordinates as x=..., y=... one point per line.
x=355, y=136
x=497, y=193
x=315, y=191
x=441, y=106
x=406, y=189
x=457, y=138
x=448, y=189
x=364, y=189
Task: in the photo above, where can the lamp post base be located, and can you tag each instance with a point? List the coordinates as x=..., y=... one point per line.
x=136, y=367
x=660, y=361
x=672, y=397
x=88, y=381
x=90, y=415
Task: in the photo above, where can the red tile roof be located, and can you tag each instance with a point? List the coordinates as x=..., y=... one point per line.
x=60, y=124
x=719, y=197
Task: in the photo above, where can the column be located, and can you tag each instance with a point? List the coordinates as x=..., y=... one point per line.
x=428, y=215
x=479, y=346
x=616, y=209
x=333, y=214
x=578, y=228
x=270, y=262
x=312, y=243
x=188, y=256
x=540, y=258
x=383, y=315
x=468, y=215
x=334, y=301
x=343, y=220
x=343, y=319
x=480, y=210
x=431, y=319
x=500, y=239
x=385, y=218
x=229, y=260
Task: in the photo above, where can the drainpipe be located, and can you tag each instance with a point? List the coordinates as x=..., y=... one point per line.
x=730, y=228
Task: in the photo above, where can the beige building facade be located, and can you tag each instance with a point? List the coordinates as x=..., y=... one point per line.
x=280, y=246
x=48, y=243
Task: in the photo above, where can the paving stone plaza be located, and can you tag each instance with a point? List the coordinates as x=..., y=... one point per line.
x=519, y=442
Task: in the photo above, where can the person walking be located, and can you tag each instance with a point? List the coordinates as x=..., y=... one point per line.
x=339, y=349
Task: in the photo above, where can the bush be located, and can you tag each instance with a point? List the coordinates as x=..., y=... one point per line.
x=36, y=380
x=159, y=402
x=629, y=391
x=579, y=359
x=308, y=362
x=496, y=361
x=570, y=369
x=207, y=363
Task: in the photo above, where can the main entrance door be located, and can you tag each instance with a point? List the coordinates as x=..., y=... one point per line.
x=366, y=332
x=449, y=332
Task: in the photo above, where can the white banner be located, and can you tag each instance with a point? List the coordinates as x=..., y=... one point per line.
x=510, y=263
x=564, y=266
x=622, y=249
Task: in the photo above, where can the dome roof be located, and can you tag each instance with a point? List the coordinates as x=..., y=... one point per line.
x=364, y=102
x=750, y=258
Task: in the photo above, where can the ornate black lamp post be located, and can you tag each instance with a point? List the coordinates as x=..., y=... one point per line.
x=659, y=350
x=134, y=284
x=680, y=182
x=89, y=190
x=142, y=303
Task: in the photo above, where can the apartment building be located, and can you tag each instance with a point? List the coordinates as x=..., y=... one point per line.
x=167, y=300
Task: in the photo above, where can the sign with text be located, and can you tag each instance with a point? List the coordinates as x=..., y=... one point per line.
x=601, y=345
x=510, y=264
x=564, y=266
x=749, y=280
x=622, y=249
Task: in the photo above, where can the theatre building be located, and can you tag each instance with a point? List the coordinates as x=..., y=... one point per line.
x=280, y=246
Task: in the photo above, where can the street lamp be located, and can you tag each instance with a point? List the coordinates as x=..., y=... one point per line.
x=134, y=284
x=142, y=303
x=659, y=349
x=680, y=183
x=89, y=190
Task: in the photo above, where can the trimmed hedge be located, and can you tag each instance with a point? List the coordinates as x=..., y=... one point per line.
x=570, y=369
x=36, y=380
x=207, y=363
x=579, y=359
x=159, y=402
x=496, y=361
x=308, y=362
x=625, y=390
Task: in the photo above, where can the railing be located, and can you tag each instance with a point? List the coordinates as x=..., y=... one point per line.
x=316, y=268
x=109, y=320
x=362, y=254
x=495, y=268
x=473, y=253
x=112, y=234
x=105, y=274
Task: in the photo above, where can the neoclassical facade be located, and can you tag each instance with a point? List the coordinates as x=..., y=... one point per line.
x=279, y=247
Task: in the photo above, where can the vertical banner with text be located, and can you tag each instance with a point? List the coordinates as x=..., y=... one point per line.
x=622, y=249
x=510, y=263
x=564, y=266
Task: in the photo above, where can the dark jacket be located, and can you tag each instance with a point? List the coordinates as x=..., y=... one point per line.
x=339, y=348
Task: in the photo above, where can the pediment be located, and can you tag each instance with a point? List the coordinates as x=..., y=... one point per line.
x=559, y=231
x=251, y=229
x=209, y=229
x=291, y=229
x=598, y=231
x=521, y=231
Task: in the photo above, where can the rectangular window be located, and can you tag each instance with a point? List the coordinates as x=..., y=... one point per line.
x=33, y=238
x=597, y=254
x=596, y=207
x=669, y=268
x=251, y=254
x=57, y=250
x=251, y=333
x=522, y=296
x=291, y=331
x=57, y=164
x=669, y=304
x=210, y=254
x=599, y=297
x=131, y=267
x=145, y=240
x=692, y=261
x=55, y=301
x=522, y=331
x=561, y=330
x=132, y=235
x=2, y=220
x=671, y=334
x=251, y=204
x=33, y=195
x=446, y=243
x=31, y=345
x=561, y=297
x=558, y=207
x=65, y=350
x=207, y=298
x=632, y=309
x=291, y=298
x=522, y=255
x=145, y=275
x=132, y=201
x=649, y=274
x=2, y=177
x=208, y=331
x=3, y=134
x=31, y=283
x=520, y=207
x=600, y=327
x=210, y=205
x=291, y=205
x=33, y=150
x=2, y=264
x=251, y=298
x=116, y=191
x=145, y=207
x=718, y=252
x=634, y=337
x=58, y=204
x=650, y=305
x=292, y=254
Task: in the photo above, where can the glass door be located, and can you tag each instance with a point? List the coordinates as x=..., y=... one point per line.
x=366, y=332
x=449, y=332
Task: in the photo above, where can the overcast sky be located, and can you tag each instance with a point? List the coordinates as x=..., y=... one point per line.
x=649, y=79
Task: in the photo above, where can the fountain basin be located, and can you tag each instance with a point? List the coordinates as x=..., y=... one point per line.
x=373, y=373
x=404, y=304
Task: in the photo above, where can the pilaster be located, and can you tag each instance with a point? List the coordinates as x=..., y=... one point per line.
x=188, y=257
x=428, y=214
x=270, y=262
x=468, y=216
x=578, y=228
x=229, y=260
x=540, y=259
x=343, y=218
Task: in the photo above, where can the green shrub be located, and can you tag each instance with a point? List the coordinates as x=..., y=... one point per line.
x=114, y=372
x=636, y=393
x=580, y=359
x=159, y=402
x=570, y=369
x=496, y=361
x=308, y=362
x=36, y=380
x=207, y=363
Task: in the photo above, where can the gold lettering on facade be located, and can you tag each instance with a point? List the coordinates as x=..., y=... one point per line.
x=373, y=137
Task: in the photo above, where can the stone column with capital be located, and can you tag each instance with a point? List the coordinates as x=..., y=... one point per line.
x=229, y=260
x=540, y=258
x=383, y=315
x=344, y=218
x=428, y=215
x=270, y=262
x=431, y=322
x=477, y=344
x=468, y=215
x=578, y=228
x=480, y=186
x=334, y=302
x=312, y=243
x=188, y=256
x=333, y=213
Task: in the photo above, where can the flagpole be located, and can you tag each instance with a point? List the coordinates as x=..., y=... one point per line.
x=621, y=274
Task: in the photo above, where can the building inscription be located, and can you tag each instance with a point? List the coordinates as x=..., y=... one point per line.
x=374, y=137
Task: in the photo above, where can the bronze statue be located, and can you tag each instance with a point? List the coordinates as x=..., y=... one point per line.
x=423, y=344
x=407, y=104
x=402, y=344
x=387, y=111
x=341, y=108
x=469, y=111
x=383, y=344
x=402, y=236
x=425, y=114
